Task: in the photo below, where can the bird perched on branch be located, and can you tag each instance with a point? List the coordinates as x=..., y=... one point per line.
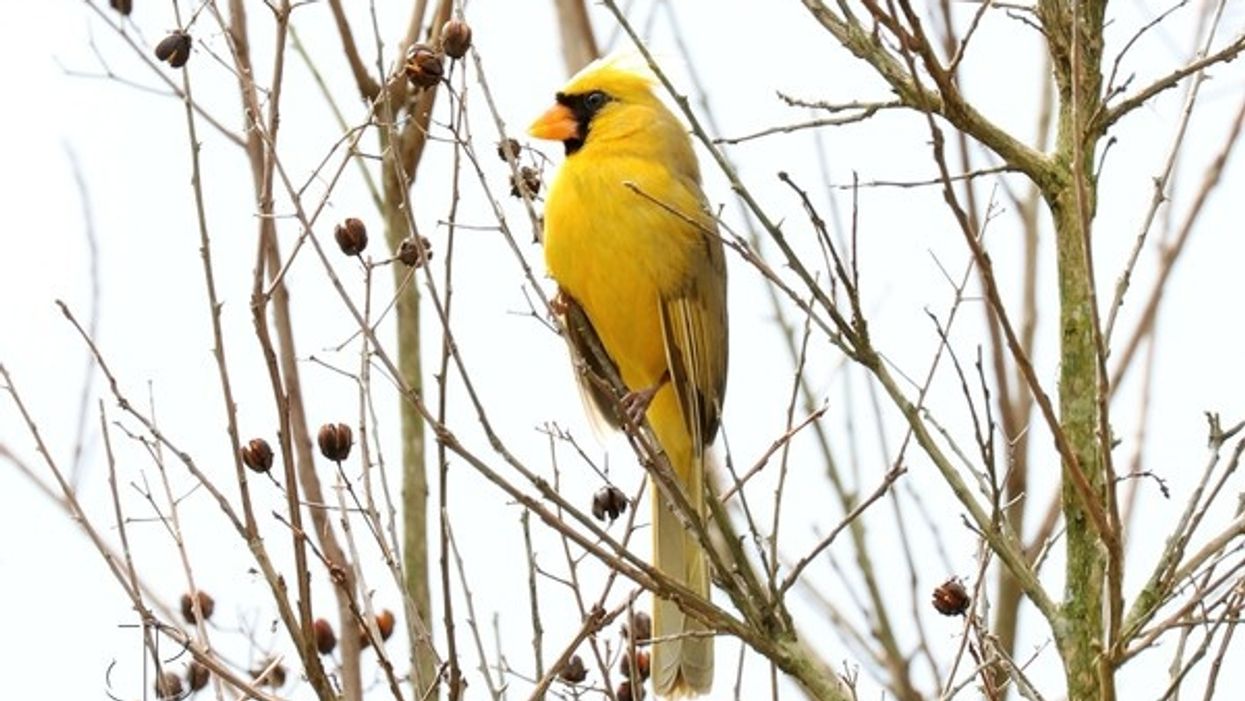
x=629, y=241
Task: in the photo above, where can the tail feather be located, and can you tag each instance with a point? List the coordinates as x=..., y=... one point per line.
x=682, y=666
x=682, y=663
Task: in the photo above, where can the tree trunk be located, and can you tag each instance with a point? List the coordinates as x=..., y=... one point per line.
x=1074, y=34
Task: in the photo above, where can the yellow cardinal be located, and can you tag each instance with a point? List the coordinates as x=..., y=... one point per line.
x=653, y=286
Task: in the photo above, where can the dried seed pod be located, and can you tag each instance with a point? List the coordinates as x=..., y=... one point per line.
x=351, y=236
x=197, y=675
x=413, y=254
x=625, y=692
x=423, y=66
x=608, y=501
x=528, y=181
x=326, y=639
x=125, y=7
x=573, y=671
x=456, y=38
x=950, y=598
x=257, y=455
x=168, y=686
x=384, y=623
x=206, y=604
x=642, y=665
x=335, y=441
x=641, y=626
x=276, y=676
x=174, y=49
x=509, y=146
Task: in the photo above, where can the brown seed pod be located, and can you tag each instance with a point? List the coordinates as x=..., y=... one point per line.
x=642, y=665
x=528, y=181
x=950, y=598
x=326, y=639
x=206, y=604
x=509, y=146
x=423, y=66
x=168, y=686
x=413, y=254
x=351, y=236
x=608, y=501
x=626, y=692
x=573, y=671
x=642, y=626
x=125, y=7
x=174, y=49
x=335, y=441
x=197, y=675
x=456, y=38
x=384, y=623
x=276, y=676
x=257, y=455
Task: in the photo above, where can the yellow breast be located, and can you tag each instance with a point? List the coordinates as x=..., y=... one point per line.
x=618, y=253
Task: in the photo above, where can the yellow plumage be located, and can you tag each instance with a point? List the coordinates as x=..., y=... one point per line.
x=653, y=286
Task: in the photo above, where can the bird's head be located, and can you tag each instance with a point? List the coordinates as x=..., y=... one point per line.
x=608, y=101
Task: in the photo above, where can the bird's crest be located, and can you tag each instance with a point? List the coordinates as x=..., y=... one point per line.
x=619, y=74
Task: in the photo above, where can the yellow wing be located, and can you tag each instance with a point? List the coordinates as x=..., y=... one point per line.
x=694, y=330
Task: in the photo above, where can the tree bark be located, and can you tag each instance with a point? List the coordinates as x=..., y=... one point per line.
x=579, y=45
x=1075, y=38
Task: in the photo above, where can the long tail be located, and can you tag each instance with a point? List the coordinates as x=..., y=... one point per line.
x=683, y=664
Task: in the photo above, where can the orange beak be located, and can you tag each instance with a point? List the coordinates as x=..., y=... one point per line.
x=557, y=124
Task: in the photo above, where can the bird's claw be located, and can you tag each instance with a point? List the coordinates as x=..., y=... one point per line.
x=635, y=404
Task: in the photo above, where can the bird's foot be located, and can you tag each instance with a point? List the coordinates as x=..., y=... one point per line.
x=635, y=403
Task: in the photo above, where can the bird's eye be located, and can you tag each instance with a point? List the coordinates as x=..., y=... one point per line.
x=595, y=100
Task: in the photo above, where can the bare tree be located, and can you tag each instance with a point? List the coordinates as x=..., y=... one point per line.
x=979, y=422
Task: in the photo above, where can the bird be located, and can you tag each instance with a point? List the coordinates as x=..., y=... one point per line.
x=629, y=240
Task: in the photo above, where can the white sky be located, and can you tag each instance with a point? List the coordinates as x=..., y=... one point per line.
x=67, y=621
